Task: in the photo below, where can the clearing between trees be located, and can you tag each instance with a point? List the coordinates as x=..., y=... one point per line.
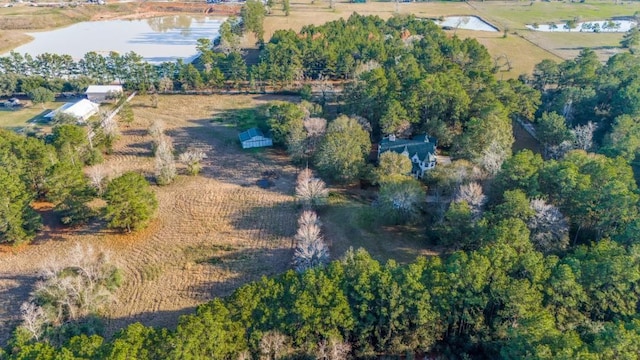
x=213, y=233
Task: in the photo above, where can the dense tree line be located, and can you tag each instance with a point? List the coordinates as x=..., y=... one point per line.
x=583, y=95
x=503, y=300
x=34, y=170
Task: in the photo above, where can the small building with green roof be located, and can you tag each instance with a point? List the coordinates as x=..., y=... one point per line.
x=254, y=138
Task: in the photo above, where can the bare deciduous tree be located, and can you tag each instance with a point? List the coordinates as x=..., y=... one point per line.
x=549, y=227
x=558, y=151
x=311, y=250
x=244, y=355
x=492, y=158
x=273, y=345
x=583, y=136
x=165, y=84
x=473, y=195
x=156, y=130
x=364, y=122
x=98, y=176
x=310, y=190
x=308, y=218
x=333, y=349
x=165, y=163
x=33, y=319
x=154, y=100
x=191, y=159
x=67, y=293
x=315, y=128
x=366, y=67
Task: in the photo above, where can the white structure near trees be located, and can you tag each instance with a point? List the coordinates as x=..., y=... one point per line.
x=102, y=93
x=421, y=150
x=254, y=138
x=81, y=110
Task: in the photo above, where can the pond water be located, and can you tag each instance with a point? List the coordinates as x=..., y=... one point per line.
x=157, y=40
x=466, y=23
x=587, y=26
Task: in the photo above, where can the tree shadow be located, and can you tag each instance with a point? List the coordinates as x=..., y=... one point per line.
x=14, y=290
x=249, y=265
x=228, y=162
x=268, y=223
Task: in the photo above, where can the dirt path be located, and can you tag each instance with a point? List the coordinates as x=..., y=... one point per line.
x=213, y=232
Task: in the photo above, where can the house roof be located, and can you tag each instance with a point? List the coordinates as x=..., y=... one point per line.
x=80, y=109
x=422, y=145
x=249, y=134
x=103, y=89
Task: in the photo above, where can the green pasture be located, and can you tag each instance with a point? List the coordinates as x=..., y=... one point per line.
x=515, y=15
x=20, y=117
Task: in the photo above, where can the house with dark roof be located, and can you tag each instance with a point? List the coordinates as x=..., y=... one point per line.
x=254, y=138
x=421, y=150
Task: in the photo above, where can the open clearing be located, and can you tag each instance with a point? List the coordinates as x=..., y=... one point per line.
x=19, y=117
x=213, y=232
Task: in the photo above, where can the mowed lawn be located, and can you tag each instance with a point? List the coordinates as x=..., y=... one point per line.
x=515, y=15
x=18, y=118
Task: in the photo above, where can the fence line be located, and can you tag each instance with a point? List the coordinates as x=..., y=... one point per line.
x=109, y=117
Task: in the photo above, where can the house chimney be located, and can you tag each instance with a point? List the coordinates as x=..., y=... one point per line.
x=392, y=137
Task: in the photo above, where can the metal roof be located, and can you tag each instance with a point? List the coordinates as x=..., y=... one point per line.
x=103, y=89
x=249, y=134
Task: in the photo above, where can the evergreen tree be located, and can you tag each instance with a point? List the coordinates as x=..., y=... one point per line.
x=130, y=202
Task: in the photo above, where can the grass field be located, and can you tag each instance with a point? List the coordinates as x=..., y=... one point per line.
x=515, y=15
x=213, y=232
x=19, y=118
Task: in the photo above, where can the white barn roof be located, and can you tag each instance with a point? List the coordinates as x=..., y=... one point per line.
x=82, y=109
x=103, y=89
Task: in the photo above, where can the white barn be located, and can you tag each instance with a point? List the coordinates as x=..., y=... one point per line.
x=81, y=110
x=254, y=138
x=101, y=93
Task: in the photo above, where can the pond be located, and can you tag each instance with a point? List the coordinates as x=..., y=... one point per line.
x=160, y=39
x=466, y=23
x=587, y=26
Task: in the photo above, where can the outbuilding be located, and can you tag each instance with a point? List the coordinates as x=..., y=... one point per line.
x=102, y=93
x=81, y=110
x=254, y=138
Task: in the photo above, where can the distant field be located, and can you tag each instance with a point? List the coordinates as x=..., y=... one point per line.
x=19, y=117
x=515, y=15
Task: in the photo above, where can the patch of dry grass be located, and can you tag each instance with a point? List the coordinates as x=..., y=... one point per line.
x=350, y=222
x=239, y=231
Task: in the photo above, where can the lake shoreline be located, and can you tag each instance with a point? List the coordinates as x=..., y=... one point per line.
x=155, y=39
x=12, y=38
